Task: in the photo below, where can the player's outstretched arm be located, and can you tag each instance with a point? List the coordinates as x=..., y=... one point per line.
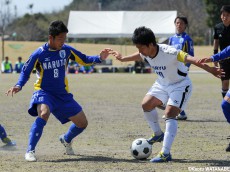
x=13, y=90
x=205, y=60
x=217, y=72
x=105, y=53
x=133, y=57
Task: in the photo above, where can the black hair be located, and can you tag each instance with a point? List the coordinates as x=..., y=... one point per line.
x=183, y=18
x=56, y=27
x=225, y=8
x=143, y=36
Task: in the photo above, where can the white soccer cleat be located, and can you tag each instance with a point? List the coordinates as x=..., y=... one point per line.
x=68, y=146
x=30, y=156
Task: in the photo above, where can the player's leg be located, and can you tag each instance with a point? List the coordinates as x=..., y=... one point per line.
x=179, y=95
x=225, y=87
x=70, y=110
x=226, y=93
x=151, y=116
x=226, y=110
x=2, y=132
x=226, y=106
x=169, y=135
x=36, y=130
x=155, y=97
x=225, y=80
x=77, y=127
x=4, y=137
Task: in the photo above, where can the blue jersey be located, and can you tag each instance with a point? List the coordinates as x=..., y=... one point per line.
x=224, y=54
x=51, y=67
x=182, y=42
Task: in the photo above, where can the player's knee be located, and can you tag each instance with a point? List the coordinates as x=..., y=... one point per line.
x=170, y=116
x=83, y=123
x=171, y=113
x=44, y=116
x=226, y=109
x=146, y=106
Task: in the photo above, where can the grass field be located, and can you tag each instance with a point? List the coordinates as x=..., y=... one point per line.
x=112, y=105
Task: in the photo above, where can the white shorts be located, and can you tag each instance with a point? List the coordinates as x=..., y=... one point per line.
x=176, y=94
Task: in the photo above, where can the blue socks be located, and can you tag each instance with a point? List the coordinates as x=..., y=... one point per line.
x=72, y=132
x=226, y=109
x=2, y=132
x=35, y=133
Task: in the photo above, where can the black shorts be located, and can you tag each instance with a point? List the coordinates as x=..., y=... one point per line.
x=225, y=65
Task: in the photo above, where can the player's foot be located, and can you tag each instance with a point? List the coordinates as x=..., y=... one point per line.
x=228, y=147
x=8, y=142
x=154, y=139
x=68, y=146
x=181, y=116
x=161, y=157
x=30, y=156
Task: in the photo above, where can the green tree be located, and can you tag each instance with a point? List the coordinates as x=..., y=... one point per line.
x=213, y=10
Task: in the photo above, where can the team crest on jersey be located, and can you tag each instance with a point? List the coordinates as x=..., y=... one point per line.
x=62, y=54
x=181, y=40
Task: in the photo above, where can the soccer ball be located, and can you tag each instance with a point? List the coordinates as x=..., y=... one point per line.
x=141, y=149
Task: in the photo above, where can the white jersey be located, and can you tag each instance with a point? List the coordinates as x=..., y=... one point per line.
x=169, y=65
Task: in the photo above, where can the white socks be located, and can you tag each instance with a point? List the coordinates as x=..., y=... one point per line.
x=152, y=119
x=170, y=134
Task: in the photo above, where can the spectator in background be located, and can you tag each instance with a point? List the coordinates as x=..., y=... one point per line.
x=7, y=66
x=18, y=65
x=86, y=69
x=182, y=41
x=222, y=40
x=73, y=67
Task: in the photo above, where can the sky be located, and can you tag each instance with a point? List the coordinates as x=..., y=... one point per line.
x=42, y=6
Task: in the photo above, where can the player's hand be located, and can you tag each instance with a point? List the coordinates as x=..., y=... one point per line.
x=13, y=90
x=217, y=72
x=117, y=55
x=205, y=60
x=216, y=64
x=105, y=53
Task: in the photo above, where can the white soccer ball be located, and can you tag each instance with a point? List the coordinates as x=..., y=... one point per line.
x=141, y=149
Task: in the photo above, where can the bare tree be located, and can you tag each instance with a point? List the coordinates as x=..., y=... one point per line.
x=5, y=17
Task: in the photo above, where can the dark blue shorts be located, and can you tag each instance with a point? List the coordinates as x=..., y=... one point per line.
x=62, y=106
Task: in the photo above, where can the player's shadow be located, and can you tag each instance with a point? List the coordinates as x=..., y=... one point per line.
x=204, y=161
x=8, y=148
x=97, y=159
x=204, y=120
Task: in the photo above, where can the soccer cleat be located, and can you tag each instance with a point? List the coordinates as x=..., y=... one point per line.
x=68, y=146
x=8, y=142
x=161, y=157
x=30, y=156
x=181, y=117
x=155, y=139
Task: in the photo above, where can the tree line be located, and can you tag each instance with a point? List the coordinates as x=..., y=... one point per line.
x=202, y=16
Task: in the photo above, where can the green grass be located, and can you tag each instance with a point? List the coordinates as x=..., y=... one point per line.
x=112, y=103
